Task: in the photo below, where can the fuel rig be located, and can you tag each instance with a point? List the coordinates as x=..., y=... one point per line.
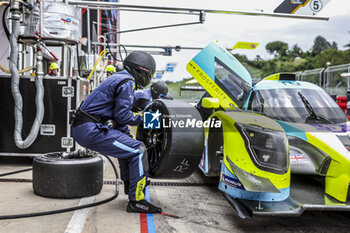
x=35, y=107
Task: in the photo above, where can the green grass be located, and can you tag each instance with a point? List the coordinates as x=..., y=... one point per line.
x=253, y=71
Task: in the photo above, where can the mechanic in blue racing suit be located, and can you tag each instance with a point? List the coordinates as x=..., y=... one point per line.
x=112, y=100
x=158, y=90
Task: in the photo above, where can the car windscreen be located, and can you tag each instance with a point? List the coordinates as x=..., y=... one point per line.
x=231, y=83
x=298, y=106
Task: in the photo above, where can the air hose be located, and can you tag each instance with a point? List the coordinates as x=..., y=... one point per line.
x=120, y=53
x=102, y=54
x=58, y=211
x=4, y=22
x=15, y=172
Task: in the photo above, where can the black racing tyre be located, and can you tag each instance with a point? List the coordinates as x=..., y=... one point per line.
x=173, y=152
x=54, y=176
x=215, y=151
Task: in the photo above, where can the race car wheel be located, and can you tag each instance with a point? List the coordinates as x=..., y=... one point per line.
x=175, y=148
x=58, y=177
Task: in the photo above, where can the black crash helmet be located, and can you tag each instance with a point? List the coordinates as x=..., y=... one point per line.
x=141, y=66
x=159, y=90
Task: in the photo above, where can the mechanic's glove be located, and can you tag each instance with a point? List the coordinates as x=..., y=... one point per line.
x=142, y=207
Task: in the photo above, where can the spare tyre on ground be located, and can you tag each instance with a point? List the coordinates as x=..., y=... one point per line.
x=67, y=177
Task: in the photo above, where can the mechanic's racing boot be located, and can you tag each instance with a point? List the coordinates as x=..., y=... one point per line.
x=126, y=186
x=142, y=207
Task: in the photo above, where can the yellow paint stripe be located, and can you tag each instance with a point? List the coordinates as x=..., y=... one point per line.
x=301, y=5
x=209, y=85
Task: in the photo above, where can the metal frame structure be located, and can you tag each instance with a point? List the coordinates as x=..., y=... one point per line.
x=325, y=76
x=97, y=5
x=172, y=10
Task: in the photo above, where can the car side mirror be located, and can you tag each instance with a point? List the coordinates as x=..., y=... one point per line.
x=211, y=103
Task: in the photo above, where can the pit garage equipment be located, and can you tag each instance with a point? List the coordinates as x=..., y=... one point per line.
x=35, y=108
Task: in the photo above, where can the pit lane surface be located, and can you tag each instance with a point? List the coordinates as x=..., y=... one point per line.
x=202, y=208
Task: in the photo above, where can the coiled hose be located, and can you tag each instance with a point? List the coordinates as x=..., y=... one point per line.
x=20, y=143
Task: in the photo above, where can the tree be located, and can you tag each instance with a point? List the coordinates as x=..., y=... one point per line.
x=296, y=51
x=320, y=44
x=335, y=57
x=270, y=67
x=277, y=47
x=241, y=58
x=334, y=45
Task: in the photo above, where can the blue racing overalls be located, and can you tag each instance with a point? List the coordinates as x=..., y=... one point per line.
x=141, y=99
x=113, y=99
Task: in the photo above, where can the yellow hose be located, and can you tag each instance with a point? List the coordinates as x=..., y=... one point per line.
x=97, y=61
x=3, y=68
x=3, y=3
x=25, y=69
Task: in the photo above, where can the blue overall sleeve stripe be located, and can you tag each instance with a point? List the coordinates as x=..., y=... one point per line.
x=132, y=150
x=140, y=163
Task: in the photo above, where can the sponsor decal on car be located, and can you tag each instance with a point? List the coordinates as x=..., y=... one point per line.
x=297, y=158
x=341, y=128
x=231, y=181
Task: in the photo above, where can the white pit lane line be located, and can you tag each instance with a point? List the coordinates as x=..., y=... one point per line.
x=79, y=217
x=77, y=222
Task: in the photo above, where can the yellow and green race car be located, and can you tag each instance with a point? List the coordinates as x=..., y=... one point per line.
x=279, y=147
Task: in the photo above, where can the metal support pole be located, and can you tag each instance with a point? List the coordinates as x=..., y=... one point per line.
x=31, y=62
x=98, y=29
x=77, y=65
x=62, y=62
x=20, y=57
x=88, y=31
x=71, y=61
x=320, y=81
x=24, y=56
x=300, y=76
x=155, y=27
x=94, y=61
x=325, y=78
x=111, y=8
x=177, y=48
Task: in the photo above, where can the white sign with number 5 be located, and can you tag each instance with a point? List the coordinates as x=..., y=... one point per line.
x=312, y=7
x=316, y=5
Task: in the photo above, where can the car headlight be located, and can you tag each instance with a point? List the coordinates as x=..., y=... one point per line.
x=267, y=147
